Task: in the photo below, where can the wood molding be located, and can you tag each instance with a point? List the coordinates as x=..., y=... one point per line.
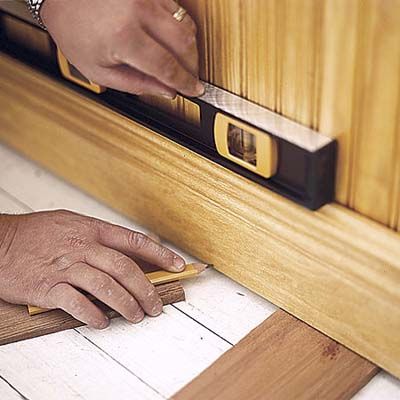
x=334, y=269
x=283, y=358
x=16, y=323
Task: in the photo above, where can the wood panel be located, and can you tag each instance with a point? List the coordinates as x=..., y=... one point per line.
x=282, y=358
x=333, y=65
x=377, y=99
x=337, y=79
x=17, y=324
x=334, y=269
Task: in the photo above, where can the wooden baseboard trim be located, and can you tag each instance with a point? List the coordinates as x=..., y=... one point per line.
x=333, y=268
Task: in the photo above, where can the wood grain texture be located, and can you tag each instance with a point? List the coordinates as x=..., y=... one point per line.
x=282, y=358
x=334, y=269
x=16, y=324
x=332, y=65
x=339, y=34
x=377, y=99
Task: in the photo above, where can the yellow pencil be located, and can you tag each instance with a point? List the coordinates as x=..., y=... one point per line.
x=156, y=278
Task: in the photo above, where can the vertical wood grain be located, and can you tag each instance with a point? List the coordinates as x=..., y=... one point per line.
x=376, y=107
x=260, y=57
x=339, y=28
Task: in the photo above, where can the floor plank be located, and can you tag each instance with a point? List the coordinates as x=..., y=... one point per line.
x=7, y=392
x=10, y=205
x=66, y=365
x=283, y=358
x=224, y=306
x=165, y=352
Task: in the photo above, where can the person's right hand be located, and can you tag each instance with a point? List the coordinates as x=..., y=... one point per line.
x=135, y=46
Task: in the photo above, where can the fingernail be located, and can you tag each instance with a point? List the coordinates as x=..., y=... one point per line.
x=200, y=88
x=178, y=263
x=138, y=317
x=103, y=324
x=157, y=309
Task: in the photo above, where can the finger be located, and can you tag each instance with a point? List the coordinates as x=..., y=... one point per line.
x=151, y=58
x=138, y=244
x=127, y=273
x=76, y=304
x=106, y=289
x=127, y=79
x=179, y=37
x=169, y=5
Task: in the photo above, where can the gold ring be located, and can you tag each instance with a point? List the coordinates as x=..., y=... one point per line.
x=179, y=14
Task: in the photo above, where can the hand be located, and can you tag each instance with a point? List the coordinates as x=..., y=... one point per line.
x=135, y=46
x=45, y=256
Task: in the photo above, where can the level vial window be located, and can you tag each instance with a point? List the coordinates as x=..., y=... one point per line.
x=242, y=144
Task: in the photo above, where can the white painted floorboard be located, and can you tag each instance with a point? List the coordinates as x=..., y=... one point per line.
x=7, y=392
x=65, y=365
x=166, y=352
x=150, y=360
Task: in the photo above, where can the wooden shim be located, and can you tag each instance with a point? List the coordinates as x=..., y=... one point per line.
x=16, y=324
x=334, y=269
x=283, y=358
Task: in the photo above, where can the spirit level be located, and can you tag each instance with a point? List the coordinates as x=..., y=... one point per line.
x=282, y=155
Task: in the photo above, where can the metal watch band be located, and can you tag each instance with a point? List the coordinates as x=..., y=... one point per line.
x=34, y=7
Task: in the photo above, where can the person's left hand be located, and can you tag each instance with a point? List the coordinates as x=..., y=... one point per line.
x=46, y=256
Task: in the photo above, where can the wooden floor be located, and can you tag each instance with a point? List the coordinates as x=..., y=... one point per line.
x=151, y=360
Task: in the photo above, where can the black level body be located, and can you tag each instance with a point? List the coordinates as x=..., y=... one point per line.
x=308, y=178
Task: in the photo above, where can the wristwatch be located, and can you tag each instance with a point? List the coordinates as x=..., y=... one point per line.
x=34, y=7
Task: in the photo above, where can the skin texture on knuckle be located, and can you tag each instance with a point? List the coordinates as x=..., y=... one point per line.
x=76, y=306
x=165, y=254
x=189, y=43
x=188, y=29
x=102, y=283
x=44, y=284
x=191, y=26
x=123, y=266
x=138, y=240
